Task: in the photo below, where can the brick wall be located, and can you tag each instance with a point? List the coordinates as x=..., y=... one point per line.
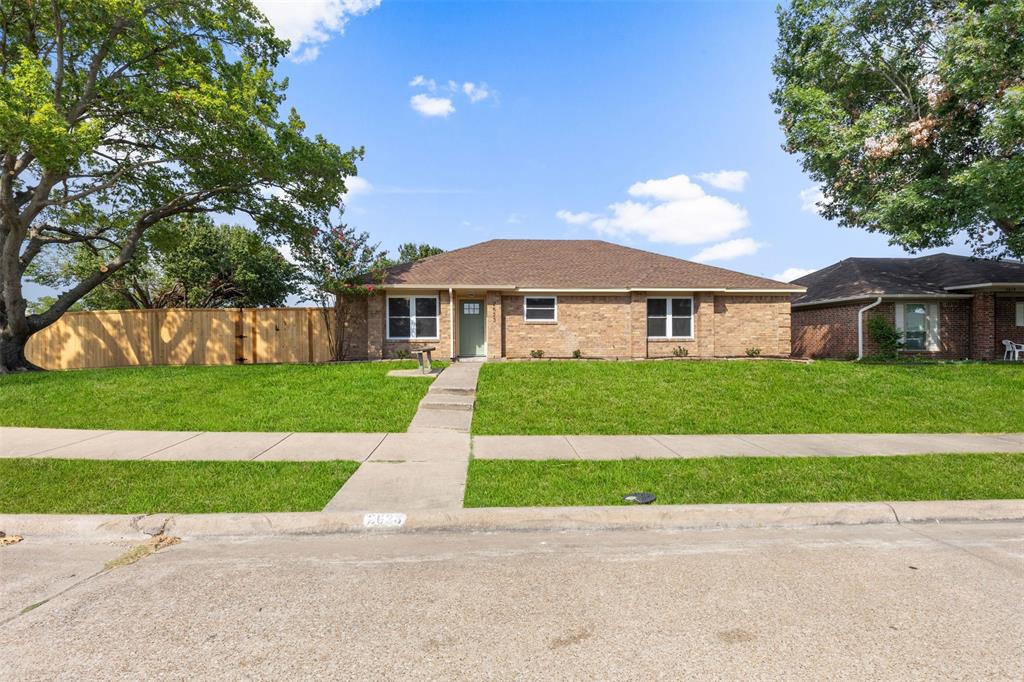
x=1006, y=322
x=983, y=326
x=599, y=326
x=355, y=331
x=743, y=322
x=831, y=331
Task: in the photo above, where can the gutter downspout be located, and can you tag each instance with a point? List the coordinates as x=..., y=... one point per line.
x=860, y=327
x=451, y=323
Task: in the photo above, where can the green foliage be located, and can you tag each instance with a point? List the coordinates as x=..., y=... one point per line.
x=753, y=352
x=910, y=116
x=410, y=252
x=182, y=263
x=885, y=334
x=537, y=354
x=577, y=354
x=680, y=352
x=116, y=116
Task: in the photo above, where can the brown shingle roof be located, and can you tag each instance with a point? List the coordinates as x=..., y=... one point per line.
x=567, y=264
x=941, y=273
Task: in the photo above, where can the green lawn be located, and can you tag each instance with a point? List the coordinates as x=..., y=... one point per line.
x=345, y=397
x=69, y=486
x=747, y=397
x=736, y=480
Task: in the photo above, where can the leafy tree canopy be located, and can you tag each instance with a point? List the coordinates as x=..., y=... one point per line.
x=116, y=115
x=183, y=263
x=910, y=115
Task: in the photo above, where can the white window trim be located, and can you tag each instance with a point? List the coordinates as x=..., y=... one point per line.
x=551, y=321
x=933, y=317
x=668, y=318
x=1020, y=313
x=411, y=298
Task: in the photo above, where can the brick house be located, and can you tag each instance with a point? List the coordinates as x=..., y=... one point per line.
x=946, y=306
x=507, y=297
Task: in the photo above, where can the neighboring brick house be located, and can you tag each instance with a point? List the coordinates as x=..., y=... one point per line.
x=946, y=306
x=507, y=297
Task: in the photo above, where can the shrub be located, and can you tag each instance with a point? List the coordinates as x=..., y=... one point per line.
x=753, y=352
x=536, y=354
x=885, y=335
x=680, y=352
x=403, y=354
x=577, y=354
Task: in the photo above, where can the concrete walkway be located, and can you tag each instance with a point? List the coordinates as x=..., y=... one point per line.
x=448, y=405
x=758, y=445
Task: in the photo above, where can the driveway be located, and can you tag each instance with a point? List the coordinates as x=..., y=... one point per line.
x=867, y=602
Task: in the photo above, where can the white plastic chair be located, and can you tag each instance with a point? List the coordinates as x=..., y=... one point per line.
x=1013, y=350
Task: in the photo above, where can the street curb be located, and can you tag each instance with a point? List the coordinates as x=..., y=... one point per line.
x=680, y=517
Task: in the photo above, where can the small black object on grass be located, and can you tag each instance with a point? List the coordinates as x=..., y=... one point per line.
x=640, y=498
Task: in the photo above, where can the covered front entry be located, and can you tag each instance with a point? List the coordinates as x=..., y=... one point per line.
x=471, y=328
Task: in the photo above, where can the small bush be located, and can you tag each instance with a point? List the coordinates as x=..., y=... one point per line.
x=403, y=354
x=885, y=335
x=680, y=352
x=577, y=354
x=536, y=354
x=753, y=352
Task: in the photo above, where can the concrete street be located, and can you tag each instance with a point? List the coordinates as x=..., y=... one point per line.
x=853, y=602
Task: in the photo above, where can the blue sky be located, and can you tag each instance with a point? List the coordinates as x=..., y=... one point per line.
x=577, y=107
x=604, y=113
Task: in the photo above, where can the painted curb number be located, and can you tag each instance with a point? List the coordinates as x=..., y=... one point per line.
x=383, y=520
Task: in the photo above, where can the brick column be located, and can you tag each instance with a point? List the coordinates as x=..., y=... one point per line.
x=638, y=325
x=492, y=309
x=983, y=326
x=375, y=327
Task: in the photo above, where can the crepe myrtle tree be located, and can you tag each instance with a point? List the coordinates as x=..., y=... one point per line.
x=910, y=116
x=117, y=115
x=339, y=266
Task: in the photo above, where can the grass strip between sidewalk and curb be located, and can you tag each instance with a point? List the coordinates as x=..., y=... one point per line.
x=80, y=486
x=346, y=397
x=747, y=480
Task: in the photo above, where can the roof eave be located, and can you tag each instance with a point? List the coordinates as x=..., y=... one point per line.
x=883, y=296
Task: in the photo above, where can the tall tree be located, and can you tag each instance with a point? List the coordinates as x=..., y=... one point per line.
x=116, y=115
x=410, y=252
x=186, y=263
x=910, y=115
x=340, y=267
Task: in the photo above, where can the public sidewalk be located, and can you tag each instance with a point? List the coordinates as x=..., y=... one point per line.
x=426, y=446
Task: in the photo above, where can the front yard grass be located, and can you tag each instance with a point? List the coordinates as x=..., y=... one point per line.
x=738, y=480
x=69, y=486
x=339, y=397
x=702, y=397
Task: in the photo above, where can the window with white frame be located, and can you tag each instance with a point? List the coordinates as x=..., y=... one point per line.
x=412, y=317
x=919, y=324
x=1020, y=313
x=670, y=318
x=540, y=308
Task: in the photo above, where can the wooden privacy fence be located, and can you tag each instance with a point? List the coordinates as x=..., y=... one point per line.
x=181, y=336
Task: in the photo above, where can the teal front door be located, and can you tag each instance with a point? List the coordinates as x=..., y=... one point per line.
x=471, y=328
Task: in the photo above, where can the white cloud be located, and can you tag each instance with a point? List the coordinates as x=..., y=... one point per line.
x=475, y=92
x=734, y=248
x=680, y=213
x=732, y=181
x=789, y=274
x=356, y=186
x=419, y=81
x=812, y=199
x=308, y=24
x=576, y=218
x=432, y=106
x=514, y=219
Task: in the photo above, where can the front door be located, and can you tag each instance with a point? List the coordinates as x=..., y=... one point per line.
x=471, y=328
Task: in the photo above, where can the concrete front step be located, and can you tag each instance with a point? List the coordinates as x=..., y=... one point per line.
x=434, y=401
x=432, y=421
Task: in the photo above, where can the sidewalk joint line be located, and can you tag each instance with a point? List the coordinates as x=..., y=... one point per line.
x=260, y=454
x=67, y=445
x=166, y=447
x=568, y=439
x=754, y=445
x=375, y=448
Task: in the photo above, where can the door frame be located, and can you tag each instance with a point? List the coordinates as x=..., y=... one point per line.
x=483, y=315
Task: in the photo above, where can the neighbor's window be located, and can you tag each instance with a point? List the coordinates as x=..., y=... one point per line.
x=669, y=318
x=1020, y=314
x=540, y=308
x=412, y=317
x=919, y=323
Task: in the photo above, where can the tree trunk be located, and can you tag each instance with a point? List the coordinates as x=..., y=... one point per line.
x=12, y=354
